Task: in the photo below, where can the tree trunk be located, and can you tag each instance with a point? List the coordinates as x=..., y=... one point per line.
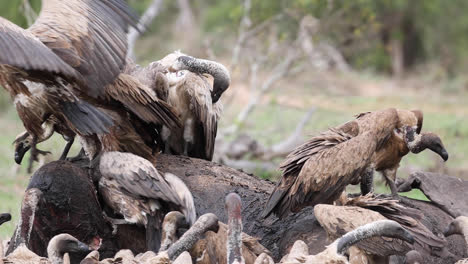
x=209, y=183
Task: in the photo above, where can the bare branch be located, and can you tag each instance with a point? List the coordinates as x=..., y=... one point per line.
x=284, y=147
x=146, y=19
x=244, y=24
x=29, y=12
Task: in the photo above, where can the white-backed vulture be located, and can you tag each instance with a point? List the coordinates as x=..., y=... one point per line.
x=82, y=45
x=132, y=187
x=334, y=253
x=337, y=220
x=190, y=94
x=387, y=158
x=320, y=169
x=459, y=226
x=57, y=247
x=74, y=48
x=177, y=252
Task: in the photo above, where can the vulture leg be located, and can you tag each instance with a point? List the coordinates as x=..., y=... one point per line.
x=188, y=136
x=390, y=176
x=367, y=180
x=35, y=152
x=153, y=231
x=67, y=149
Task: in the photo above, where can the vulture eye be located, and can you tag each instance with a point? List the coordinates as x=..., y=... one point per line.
x=180, y=74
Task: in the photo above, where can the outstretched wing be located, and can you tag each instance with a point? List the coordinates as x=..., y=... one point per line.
x=22, y=50
x=89, y=35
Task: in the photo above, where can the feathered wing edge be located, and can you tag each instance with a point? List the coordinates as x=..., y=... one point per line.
x=408, y=217
x=294, y=162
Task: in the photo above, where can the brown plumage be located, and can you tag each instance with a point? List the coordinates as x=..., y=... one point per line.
x=388, y=156
x=190, y=94
x=320, y=169
x=74, y=48
x=337, y=220
x=134, y=189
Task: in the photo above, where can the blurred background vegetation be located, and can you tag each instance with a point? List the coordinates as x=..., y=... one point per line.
x=328, y=58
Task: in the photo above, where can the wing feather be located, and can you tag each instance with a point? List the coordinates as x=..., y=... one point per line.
x=89, y=35
x=140, y=100
x=206, y=113
x=136, y=176
x=21, y=49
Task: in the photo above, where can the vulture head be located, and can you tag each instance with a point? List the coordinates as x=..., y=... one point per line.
x=5, y=218
x=22, y=145
x=419, y=142
x=457, y=226
x=387, y=228
x=65, y=243
x=178, y=61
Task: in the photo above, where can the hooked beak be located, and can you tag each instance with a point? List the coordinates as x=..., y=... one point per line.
x=20, y=151
x=441, y=151
x=5, y=218
x=80, y=247
x=408, y=237
x=444, y=154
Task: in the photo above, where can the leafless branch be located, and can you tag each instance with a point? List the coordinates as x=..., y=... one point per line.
x=146, y=19
x=29, y=12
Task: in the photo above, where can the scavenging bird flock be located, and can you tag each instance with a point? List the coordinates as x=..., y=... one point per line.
x=69, y=74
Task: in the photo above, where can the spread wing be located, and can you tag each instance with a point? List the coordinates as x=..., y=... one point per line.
x=207, y=114
x=143, y=102
x=21, y=49
x=319, y=170
x=338, y=220
x=136, y=176
x=91, y=36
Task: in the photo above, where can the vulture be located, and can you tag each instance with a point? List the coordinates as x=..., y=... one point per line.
x=74, y=48
x=459, y=226
x=191, y=94
x=72, y=60
x=133, y=188
x=387, y=158
x=334, y=253
x=58, y=246
x=177, y=251
x=319, y=170
x=337, y=220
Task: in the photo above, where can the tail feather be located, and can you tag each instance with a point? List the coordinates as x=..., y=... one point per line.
x=187, y=206
x=86, y=118
x=273, y=202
